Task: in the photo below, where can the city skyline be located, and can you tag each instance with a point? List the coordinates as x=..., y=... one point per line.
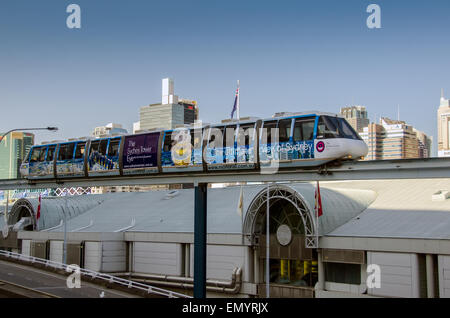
x=297, y=56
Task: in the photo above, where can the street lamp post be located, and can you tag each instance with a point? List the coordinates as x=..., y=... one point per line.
x=25, y=129
x=3, y=137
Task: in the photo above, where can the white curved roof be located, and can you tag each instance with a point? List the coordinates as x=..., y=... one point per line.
x=402, y=209
x=155, y=211
x=372, y=208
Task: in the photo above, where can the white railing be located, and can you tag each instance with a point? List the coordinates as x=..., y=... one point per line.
x=86, y=272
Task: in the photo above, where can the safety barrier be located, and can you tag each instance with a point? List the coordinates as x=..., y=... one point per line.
x=103, y=276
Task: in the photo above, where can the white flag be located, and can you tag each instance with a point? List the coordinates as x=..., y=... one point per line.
x=240, y=206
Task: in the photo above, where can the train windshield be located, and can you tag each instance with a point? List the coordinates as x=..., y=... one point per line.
x=335, y=127
x=36, y=154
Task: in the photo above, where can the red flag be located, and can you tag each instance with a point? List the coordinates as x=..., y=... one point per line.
x=38, y=214
x=318, y=199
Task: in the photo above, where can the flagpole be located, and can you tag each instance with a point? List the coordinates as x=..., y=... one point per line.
x=317, y=214
x=238, y=101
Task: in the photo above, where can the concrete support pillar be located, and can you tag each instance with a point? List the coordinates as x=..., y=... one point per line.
x=187, y=260
x=321, y=271
x=200, y=235
x=430, y=276
x=256, y=266
x=249, y=264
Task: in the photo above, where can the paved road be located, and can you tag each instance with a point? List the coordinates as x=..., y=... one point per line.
x=53, y=283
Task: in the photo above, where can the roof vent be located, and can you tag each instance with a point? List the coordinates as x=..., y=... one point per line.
x=440, y=195
x=172, y=194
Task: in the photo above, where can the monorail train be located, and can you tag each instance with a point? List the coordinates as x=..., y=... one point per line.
x=304, y=140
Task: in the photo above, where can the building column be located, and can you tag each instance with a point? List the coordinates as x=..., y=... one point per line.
x=430, y=276
x=187, y=260
x=200, y=234
x=256, y=266
x=320, y=271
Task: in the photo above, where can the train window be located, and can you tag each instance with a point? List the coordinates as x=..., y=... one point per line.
x=284, y=129
x=196, y=142
x=266, y=135
x=229, y=136
x=167, y=141
x=51, y=153
x=102, y=147
x=245, y=134
x=94, y=146
x=42, y=154
x=35, y=154
x=216, y=137
x=304, y=129
x=327, y=128
x=66, y=151
x=113, y=150
x=79, y=152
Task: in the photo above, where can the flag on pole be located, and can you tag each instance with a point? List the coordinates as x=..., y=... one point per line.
x=318, y=201
x=236, y=103
x=240, y=207
x=38, y=214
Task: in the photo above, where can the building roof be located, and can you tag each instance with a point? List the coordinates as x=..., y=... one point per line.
x=402, y=209
x=372, y=208
x=173, y=211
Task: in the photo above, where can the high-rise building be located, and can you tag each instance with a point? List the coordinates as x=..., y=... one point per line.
x=356, y=117
x=13, y=149
x=172, y=112
x=443, y=141
x=394, y=139
x=425, y=144
x=374, y=135
x=109, y=130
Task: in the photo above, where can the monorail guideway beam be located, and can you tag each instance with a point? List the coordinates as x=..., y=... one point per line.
x=347, y=170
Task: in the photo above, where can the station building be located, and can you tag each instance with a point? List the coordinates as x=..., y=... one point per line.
x=401, y=226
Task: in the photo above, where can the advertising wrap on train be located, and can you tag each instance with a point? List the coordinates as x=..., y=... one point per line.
x=141, y=152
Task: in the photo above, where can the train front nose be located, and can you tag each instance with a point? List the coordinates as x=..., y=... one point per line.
x=358, y=149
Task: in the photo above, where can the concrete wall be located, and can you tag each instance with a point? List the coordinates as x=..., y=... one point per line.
x=444, y=276
x=158, y=258
x=222, y=260
x=114, y=256
x=399, y=274
x=105, y=256
x=26, y=247
x=93, y=256
x=56, y=251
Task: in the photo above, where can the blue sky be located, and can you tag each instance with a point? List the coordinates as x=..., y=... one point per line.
x=288, y=55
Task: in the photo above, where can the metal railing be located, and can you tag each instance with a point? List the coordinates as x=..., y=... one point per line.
x=89, y=273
